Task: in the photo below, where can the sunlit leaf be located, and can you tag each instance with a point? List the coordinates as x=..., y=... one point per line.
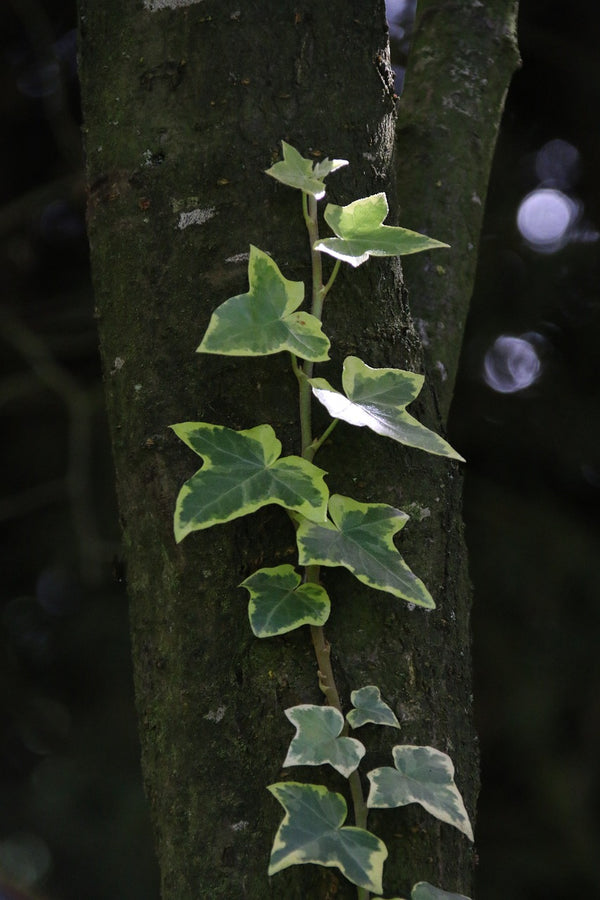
x=360, y=538
x=312, y=832
x=242, y=471
x=424, y=891
x=318, y=740
x=378, y=398
x=279, y=602
x=264, y=320
x=369, y=707
x=361, y=233
x=422, y=775
x=298, y=172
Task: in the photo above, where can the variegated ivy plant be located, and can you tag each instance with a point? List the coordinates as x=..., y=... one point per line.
x=244, y=470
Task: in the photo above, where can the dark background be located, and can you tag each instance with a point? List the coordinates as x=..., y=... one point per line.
x=72, y=814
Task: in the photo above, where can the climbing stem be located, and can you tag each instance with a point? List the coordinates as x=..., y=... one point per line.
x=318, y=442
x=322, y=649
x=304, y=402
x=321, y=645
x=332, y=278
x=309, y=208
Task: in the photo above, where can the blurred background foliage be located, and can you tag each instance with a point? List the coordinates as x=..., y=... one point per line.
x=73, y=821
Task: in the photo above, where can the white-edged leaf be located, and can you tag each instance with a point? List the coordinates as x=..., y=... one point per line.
x=360, y=538
x=265, y=319
x=279, y=602
x=317, y=740
x=360, y=233
x=369, y=707
x=421, y=775
x=297, y=172
x=377, y=399
x=242, y=472
x=425, y=891
x=312, y=831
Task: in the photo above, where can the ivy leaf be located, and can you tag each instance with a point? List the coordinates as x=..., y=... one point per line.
x=318, y=740
x=279, y=603
x=312, y=832
x=369, y=707
x=242, y=472
x=360, y=538
x=425, y=891
x=378, y=398
x=298, y=172
x=422, y=775
x=361, y=233
x=264, y=320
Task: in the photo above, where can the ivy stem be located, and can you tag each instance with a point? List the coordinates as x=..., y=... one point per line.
x=309, y=208
x=304, y=402
x=332, y=278
x=318, y=442
x=303, y=373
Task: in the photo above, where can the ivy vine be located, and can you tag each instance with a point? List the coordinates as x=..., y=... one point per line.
x=243, y=471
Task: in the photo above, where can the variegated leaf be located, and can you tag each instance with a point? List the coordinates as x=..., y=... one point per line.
x=360, y=538
x=421, y=775
x=360, y=233
x=312, y=831
x=377, y=399
x=279, y=602
x=369, y=707
x=242, y=472
x=317, y=740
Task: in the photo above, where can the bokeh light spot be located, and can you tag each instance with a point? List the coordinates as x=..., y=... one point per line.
x=511, y=364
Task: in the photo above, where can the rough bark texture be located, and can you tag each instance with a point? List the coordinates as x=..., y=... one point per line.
x=184, y=108
x=461, y=60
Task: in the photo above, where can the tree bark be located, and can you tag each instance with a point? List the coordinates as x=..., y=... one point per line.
x=462, y=58
x=185, y=105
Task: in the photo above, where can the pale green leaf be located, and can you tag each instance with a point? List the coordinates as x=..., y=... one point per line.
x=279, y=602
x=425, y=891
x=421, y=775
x=242, y=472
x=312, y=831
x=318, y=740
x=360, y=233
x=298, y=172
x=264, y=320
x=360, y=538
x=326, y=166
x=378, y=398
x=369, y=707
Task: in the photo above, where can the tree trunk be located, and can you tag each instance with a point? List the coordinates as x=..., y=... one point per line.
x=185, y=105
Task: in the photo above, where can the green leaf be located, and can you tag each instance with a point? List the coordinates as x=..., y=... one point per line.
x=424, y=891
x=360, y=233
x=312, y=832
x=242, y=472
x=265, y=320
x=360, y=538
x=298, y=172
x=279, y=603
x=422, y=775
x=369, y=707
x=318, y=740
x=378, y=398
